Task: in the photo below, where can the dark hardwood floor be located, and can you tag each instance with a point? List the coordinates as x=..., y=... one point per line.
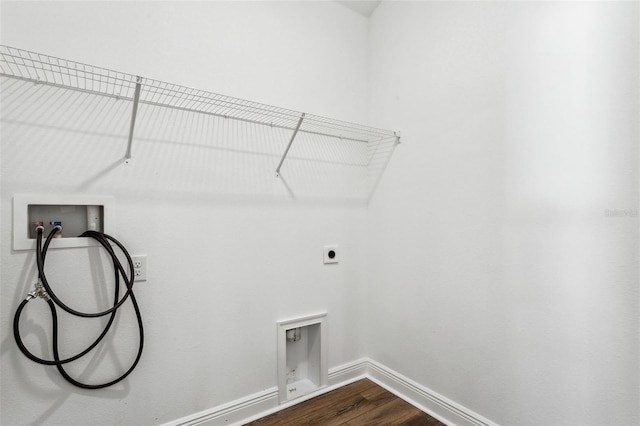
x=362, y=403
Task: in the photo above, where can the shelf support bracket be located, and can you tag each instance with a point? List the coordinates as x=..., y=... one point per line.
x=134, y=112
x=286, y=151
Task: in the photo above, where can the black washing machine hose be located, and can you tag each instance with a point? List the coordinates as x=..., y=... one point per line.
x=43, y=290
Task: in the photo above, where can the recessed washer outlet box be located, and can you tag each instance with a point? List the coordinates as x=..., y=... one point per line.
x=331, y=254
x=302, y=356
x=77, y=213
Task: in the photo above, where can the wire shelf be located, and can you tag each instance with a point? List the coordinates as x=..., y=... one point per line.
x=45, y=69
x=36, y=87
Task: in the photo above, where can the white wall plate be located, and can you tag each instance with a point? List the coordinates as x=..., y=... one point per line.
x=21, y=202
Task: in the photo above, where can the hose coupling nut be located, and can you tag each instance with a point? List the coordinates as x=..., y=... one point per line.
x=39, y=291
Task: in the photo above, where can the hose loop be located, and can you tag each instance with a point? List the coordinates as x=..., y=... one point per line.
x=43, y=290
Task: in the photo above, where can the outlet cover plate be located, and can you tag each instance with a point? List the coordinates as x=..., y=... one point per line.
x=331, y=254
x=139, y=267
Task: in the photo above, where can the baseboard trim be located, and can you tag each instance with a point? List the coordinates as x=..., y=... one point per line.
x=263, y=403
x=427, y=400
x=338, y=377
x=233, y=412
x=348, y=373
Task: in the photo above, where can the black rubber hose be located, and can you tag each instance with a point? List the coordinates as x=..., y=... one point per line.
x=41, y=252
x=54, y=318
x=54, y=315
x=103, y=240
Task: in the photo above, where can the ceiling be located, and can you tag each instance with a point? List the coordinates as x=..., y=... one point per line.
x=363, y=7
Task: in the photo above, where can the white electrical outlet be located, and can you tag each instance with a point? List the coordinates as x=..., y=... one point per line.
x=330, y=254
x=139, y=267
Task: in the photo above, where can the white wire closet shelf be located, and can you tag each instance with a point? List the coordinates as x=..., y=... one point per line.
x=60, y=73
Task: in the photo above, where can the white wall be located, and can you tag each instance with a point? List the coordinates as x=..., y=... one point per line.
x=502, y=284
x=224, y=265
x=493, y=275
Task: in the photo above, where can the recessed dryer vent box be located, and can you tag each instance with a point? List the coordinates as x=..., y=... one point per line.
x=77, y=213
x=302, y=359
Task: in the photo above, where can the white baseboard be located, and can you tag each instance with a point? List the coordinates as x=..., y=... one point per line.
x=263, y=403
x=233, y=412
x=338, y=377
x=427, y=400
x=348, y=373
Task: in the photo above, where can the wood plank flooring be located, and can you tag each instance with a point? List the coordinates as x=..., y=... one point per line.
x=362, y=403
